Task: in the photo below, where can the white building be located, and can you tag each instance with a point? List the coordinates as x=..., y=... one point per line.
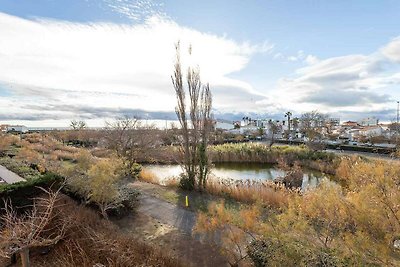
x=17, y=128
x=373, y=121
x=371, y=131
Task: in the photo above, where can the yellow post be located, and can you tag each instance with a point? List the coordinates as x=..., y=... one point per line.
x=187, y=201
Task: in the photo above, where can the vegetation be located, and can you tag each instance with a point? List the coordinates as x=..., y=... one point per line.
x=353, y=221
x=274, y=195
x=130, y=141
x=314, y=125
x=353, y=225
x=103, y=185
x=85, y=240
x=193, y=147
x=40, y=226
x=253, y=152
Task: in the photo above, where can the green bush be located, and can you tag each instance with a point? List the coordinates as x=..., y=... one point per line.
x=250, y=152
x=22, y=193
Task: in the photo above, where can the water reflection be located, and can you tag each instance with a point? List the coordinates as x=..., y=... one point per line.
x=239, y=171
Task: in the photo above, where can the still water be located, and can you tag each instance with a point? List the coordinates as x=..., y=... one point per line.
x=239, y=171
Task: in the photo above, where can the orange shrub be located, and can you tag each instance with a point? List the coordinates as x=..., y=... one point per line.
x=148, y=177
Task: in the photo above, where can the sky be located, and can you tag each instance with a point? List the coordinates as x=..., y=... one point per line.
x=96, y=60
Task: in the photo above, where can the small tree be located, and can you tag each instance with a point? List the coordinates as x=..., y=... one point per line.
x=78, y=125
x=231, y=232
x=313, y=126
x=273, y=129
x=195, y=137
x=103, y=185
x=131, y=142
x=103, y=180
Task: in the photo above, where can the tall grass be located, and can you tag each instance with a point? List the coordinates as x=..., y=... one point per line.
x=269, y=193
x=260, y=153
x=148, y=177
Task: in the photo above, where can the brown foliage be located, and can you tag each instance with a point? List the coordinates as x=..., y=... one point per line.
x=269, y=193
x=92, y=240
x=148, y=177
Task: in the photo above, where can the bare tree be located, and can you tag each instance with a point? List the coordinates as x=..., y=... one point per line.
x=131, y=141
x=205, y=129
x=39, y=227
x=313, y=125
x=78, y=125
x=196, y=136
x=273, y=129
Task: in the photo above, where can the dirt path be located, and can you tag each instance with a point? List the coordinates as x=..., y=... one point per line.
x=8, y=176
x=167, y=225
x=168, y=213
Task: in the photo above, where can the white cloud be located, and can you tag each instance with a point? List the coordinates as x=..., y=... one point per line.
x=310, y=59
x=392, y=50
x=116, y=66
x=346, y=84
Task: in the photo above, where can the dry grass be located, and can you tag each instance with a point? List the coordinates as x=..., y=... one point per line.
x=92, y=241
x=172, y=182
x=101, y=152
x=6, y=141
x=148, y=177
x=268, y=193
x=61, y=155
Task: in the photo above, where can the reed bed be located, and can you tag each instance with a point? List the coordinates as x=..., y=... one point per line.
x=272, y=194
x=148, y=177
x=256, y=152
x=260, y=153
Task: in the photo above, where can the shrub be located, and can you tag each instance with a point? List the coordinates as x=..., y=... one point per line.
x=91, y=241
x=331, y=225
x=148, y=177
x=269, y=193
x=5, y=142
x=22, y=193
x=293, y=177
x=61, y=155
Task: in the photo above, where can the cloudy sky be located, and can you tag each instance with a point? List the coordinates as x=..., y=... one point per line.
x=100, y=59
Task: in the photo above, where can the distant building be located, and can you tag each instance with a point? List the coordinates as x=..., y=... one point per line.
x=350, y=124
x=17, y=129
x=373, y=121
x=334, y=121
x=370, y=131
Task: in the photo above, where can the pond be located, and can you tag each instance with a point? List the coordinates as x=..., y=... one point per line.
x=239, y=171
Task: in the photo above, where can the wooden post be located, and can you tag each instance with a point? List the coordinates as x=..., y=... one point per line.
x=25, y=257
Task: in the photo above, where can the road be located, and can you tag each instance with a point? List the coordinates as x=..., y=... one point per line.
x=9, y=177
x=364, y=154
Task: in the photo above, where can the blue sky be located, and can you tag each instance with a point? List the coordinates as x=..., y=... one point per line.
x=95, y=59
